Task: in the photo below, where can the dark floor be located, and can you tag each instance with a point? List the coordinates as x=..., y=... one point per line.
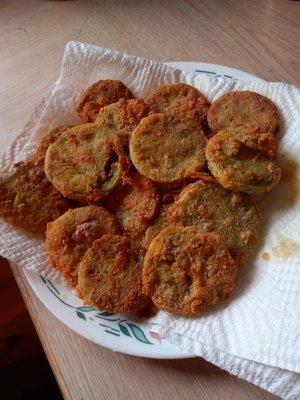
x=24, y=370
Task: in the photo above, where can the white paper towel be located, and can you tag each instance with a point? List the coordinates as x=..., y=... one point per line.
x=256, y=335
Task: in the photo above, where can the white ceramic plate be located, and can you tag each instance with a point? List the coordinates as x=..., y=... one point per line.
x=215, y=70
x=117, y=332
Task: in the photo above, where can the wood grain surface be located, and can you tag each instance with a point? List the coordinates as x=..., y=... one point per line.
x=261, y=37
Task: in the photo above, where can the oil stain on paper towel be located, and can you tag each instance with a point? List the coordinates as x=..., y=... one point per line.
x=285, y=248
x=290, y=179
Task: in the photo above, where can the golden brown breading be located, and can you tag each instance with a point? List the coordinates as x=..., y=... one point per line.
x=122, y=118
x=243, y=108
x=160, y=222
x=135, y=202
x=109, y=276
x=98, y=95
x=70, y=235
x=47, y=139
x=167, y=149
x=243, y=159
x=28, y=200
x=179, y=98
x=84, y=163
x=212, y=208
x=186, y=270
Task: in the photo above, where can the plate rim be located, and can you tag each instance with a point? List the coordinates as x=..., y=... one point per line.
x=208, y=68
x=32, y=278
x=215, y=69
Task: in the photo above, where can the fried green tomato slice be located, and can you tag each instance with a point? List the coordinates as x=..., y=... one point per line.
x=47, y=139
x=135, y=202
x=28, y=200
x=212, y=208
x=110, y=275
x=83, y=163
x=243, y=108
x=243, y=159
x=100, y=94
x=179, y=98
x=186, y=270
x=122, y=118
x=70, y=235
x=167, y=149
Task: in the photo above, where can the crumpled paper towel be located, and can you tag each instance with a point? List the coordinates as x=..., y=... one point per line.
x=254, y=336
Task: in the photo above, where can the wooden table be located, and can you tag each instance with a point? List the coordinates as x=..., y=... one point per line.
x=261, y=37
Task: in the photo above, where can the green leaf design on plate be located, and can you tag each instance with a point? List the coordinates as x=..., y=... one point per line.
x=133, y=332
x=80, y=315
x=85, y=309
x=105, y=314
x=53, y=287
x=105, y=326
x=124, y=330
x=205, y=72
x=138, y=333
x=112, y=333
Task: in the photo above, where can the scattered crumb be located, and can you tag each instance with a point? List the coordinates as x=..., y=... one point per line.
x=285, y=248
x=266, y=256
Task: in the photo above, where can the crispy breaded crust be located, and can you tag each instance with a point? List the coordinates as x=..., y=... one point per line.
x=135, y=202
x=98, y=95
x=157, y=225
x=84, y=163
x=45, y=141
x=242, y=159
x=243, y=108
x=186, y=270
x=122, y=118
x=179, y=98
x=167, y=149
x=109, y=276
x=28, y=200
x=212, y=208
x=70, y=235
